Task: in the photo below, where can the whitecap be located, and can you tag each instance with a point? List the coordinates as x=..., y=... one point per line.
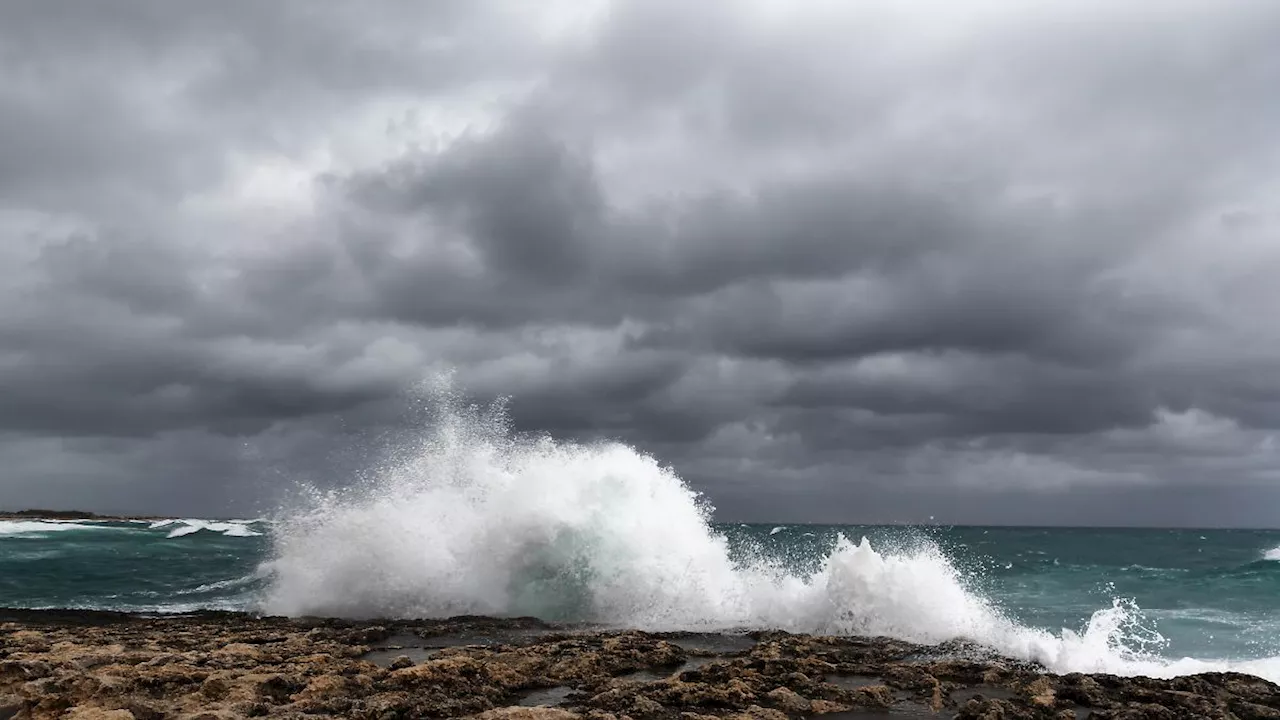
x=229, y=528
x=41, y=527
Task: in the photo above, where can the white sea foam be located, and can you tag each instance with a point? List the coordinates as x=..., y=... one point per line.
x=230, y=528
x=41, y=527
x=1272, y=554
x=474, y=520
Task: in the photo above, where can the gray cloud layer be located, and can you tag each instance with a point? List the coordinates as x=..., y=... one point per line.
x=832, y=261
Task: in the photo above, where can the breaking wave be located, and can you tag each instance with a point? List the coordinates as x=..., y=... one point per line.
x=475, y=520
x=229, y=528
x=42, y=528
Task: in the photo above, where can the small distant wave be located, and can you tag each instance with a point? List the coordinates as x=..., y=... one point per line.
x=229, y=528
x=232, y=605
x=1273, y=554
x=251, y=580
x=1148, y=570
x=41, y=528
x=178, y=527
x=777, y=530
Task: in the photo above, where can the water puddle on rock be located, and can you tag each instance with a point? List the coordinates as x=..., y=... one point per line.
x=399, y=640
x=518, y=636
x=418, y=648
x=854, y=682
x=900, y=711
x=711, y=643
x=385, y=657
x=646, y=676
x=986, y=692
x=547, y=697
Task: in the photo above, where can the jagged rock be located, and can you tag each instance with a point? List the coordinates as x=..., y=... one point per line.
x=789, y=700
x=10, y=706
x=874, y=696
x=755, y=712
x=1041, y=693
x=93, y=713
x=642, y=706
x=220, y=666
x=215, y=688
x=823, y=707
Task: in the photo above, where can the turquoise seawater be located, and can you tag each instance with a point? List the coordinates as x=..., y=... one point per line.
x=1205, y=594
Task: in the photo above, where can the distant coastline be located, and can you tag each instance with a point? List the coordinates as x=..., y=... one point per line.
x=42, y=514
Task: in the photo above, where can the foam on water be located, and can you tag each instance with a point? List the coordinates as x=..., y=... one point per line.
x=475, y=520
x=1272, y=554
x=230, y=528
x=40, y=528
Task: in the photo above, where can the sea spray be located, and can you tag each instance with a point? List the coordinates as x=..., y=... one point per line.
x=471, y=518
x=479, y=521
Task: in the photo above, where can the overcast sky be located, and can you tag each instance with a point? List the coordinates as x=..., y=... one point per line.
x=1010, y=262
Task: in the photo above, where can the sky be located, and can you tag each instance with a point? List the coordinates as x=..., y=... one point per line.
x=870, y=261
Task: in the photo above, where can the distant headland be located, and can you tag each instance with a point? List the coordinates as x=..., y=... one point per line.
x=42, y=514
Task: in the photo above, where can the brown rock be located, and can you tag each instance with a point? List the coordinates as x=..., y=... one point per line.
x=141, y=710
x=755, y=712
x=822, y=707
x=988, y=710
x=240, y=650
x=56, y=664
x=10, y=706
x=326, y=686
x=1250, y=711
x=1041, y=693
x=874, y=696
x=215, y=687
x=789, y=700
x=1083, y=690
x=93, y=713
x=732, y=694
x=644, y=707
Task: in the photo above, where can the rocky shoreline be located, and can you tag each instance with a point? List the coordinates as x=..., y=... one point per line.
x=86, y=665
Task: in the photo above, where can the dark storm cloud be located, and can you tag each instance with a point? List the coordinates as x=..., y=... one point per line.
x=830, y=261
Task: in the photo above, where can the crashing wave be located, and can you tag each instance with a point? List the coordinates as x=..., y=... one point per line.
x=476, y=520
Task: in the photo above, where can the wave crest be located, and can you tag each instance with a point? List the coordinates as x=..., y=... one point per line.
x=229, y=528
x=41, y=528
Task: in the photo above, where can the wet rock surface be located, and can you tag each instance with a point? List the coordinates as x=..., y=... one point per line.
x=218, y=666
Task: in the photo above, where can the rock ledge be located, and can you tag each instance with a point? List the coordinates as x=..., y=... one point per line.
x=218, y=666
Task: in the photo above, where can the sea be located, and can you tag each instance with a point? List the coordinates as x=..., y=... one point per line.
x=474, y=519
